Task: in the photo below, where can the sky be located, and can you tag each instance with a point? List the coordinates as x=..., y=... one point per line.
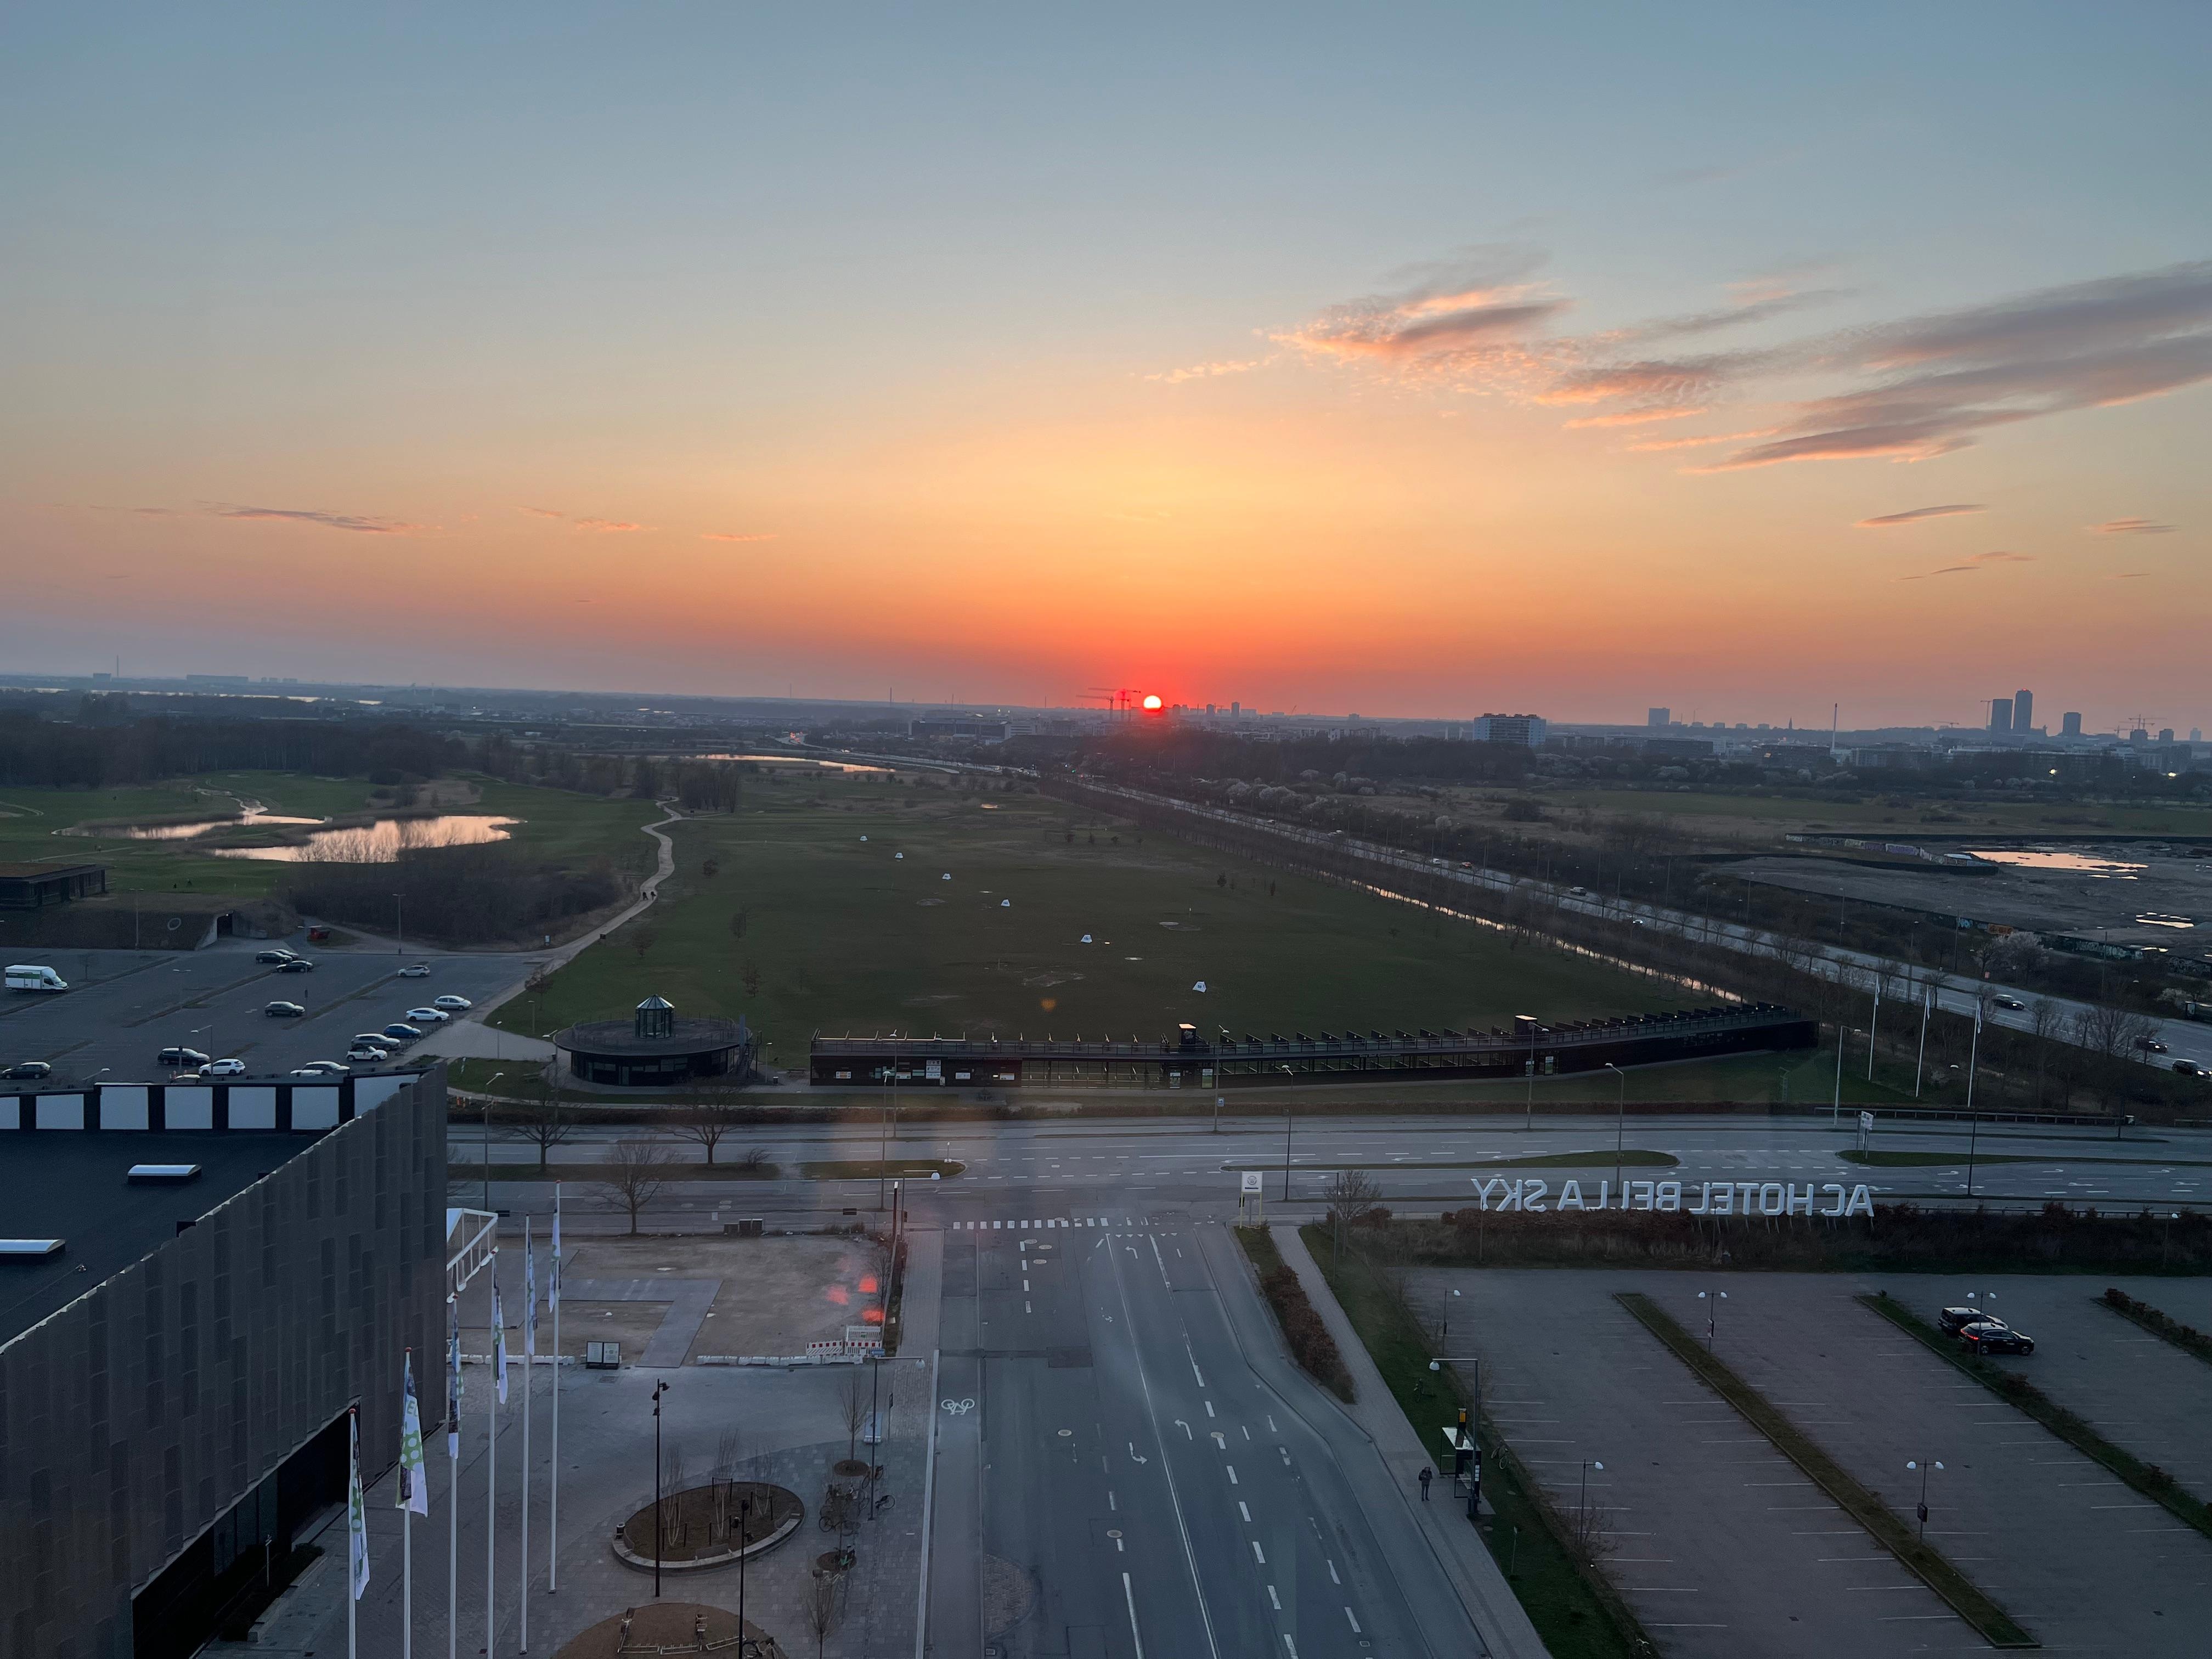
x=1395, y=359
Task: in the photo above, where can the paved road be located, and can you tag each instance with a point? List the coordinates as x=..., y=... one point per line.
x=1135, y=1475
x=2185, y=1039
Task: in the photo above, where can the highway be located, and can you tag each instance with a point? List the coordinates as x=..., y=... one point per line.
x=2185, y=1039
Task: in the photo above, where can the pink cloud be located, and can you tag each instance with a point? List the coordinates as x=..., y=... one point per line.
x=733, y=536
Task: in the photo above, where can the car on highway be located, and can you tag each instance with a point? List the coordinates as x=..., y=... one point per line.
x=28, y=1071
x=224, y=1068
x=1954, y=1319
x=1991, y=1337
x=283, y=1011
x=296, y=965
x=428, y=1016
x=397, y=1032
x=178, y=1054
x=453, y=1005
x=275, y=954
x=416, y=970
x=2007, y=1002
x=365, y=1055
x=2150, y=1045
x=2191, y=1068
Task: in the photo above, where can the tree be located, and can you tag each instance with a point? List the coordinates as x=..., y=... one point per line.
x=1353, y=1197
x=705, y=1127
x=852, y=1403
x=545, y=1123
x=822, y=1608
x=643, y=940
x=2045, y=1019
x=739, y=923
x=749, y=976
x=636, y=1172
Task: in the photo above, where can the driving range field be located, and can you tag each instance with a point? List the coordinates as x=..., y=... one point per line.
x=861, y=905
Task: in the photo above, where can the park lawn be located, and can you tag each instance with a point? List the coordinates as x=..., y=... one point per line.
x=843, y=936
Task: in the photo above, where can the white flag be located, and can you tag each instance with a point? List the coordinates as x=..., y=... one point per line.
x=414, y=1489
x=356, y=1510
x=553, y=1277
x=529, y=1301
x=498, y=1342
x=453, y=1381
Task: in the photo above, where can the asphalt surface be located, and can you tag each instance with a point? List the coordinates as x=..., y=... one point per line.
x=1121, y=1472
x=125, y=1006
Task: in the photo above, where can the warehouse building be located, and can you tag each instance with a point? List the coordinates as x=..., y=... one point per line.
x=189, y=1316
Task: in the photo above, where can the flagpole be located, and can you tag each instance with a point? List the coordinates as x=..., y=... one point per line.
x=406, y=1537
x=453, y=1484
x=529, y=1365
x=491, y=1465
x=553, y=1519
x=355, y=1523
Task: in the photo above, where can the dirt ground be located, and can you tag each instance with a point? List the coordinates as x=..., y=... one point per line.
x=775, y=1296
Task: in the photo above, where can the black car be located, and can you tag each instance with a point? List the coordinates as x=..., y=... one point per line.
x=2190, y=1068
x=1988, y=1337
x=2008, y=1002
x=1954, y=1319
x=276, y=955
x=27, y=1071
x=2150, y=1045
x=295, y=965
x=180, y=1056
x=285, y=1011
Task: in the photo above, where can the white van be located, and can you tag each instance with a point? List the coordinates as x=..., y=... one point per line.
x=24, y=977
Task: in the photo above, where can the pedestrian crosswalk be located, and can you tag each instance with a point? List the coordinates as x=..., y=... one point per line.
x=1055, y=1221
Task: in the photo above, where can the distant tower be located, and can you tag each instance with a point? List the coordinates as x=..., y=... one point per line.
x=2070, y=723
x=656, y=1020
x=2023, y=710
x=2000, y=714
x=1658, y=716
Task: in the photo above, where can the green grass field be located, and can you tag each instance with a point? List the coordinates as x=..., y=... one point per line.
x=842, y=935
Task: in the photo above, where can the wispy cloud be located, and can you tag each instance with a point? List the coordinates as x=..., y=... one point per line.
x=1209, y=371
x=1978, y=562
x=1636, y=417
x=1701, y=442
x=2131, y=527
x=609, y=526
x=541, y=512
x=356, y=522
x=736, y=536
x=1916, y=514
x=1473, y=311
x=156, y=512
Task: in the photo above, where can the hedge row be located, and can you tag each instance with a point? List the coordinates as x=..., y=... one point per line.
x=1311, y=1344
x=2160, y=1323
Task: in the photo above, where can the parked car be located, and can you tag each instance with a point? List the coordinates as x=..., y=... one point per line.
x=2007, y=1002
x=27, y=1071
x=416, y=970
x=224, y=1068
x=397, y=1032
x=180, y=1055
x=2191, y=1068
x=308, y=1072
x=1989, y=1337
x=1954, y=1319
x=284, y=1011
x=316, y=935
x=326, y=1068
x=296, y=965
x=367, y=1055
x=453, y=1005
x=274, y=953
x=191, y=1076
x=428, y=1016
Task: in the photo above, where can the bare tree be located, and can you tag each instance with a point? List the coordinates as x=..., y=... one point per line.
x=822, y=1607
x=1353, y=1197
x=544, y=1122
x=852, y=1402
x=2046, y=1019
x=637, y=1171
x=705, y=1126
x=643, y=940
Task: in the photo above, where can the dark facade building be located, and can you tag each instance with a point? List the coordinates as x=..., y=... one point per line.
x=654, y=1049
x=180, y=1346
x=35, y=886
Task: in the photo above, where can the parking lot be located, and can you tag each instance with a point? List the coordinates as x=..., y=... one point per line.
x=1721, y=1545
x=124, y=1006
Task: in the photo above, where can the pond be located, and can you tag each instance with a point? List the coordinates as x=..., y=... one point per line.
x=379, y=842
x=184, y=831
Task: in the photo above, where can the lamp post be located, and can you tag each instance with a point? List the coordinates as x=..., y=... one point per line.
x=1620, y=1129
x=659, y=1520
x=399, y=906
x=1531, y=1124
x=1923, y=1467
x=496, y=1077
x=1286, y=1072
x=1712, y=1299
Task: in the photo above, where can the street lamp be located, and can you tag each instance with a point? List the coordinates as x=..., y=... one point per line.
x=496, y=1077
x=399, y=904
x=1582, y=1503
x=1712, y=1301
x=1620, y=1129
x=1286, y=1072
x=1923, y=1467
x=659, y=1520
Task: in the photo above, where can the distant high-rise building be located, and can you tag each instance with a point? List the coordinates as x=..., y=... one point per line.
x=1236, y=711
x=2165, y=735
x=1658, y=717
x=2023, y=710
x=2070, y=723
x=1526, y=730
x=2001, y=714
x=2196, y=734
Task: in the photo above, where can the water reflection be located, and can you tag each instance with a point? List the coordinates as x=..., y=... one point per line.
x=2084, y=864
x=183, y=831
x=379, y=842
x=808, y=761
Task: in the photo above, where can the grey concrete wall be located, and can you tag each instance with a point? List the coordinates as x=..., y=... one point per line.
x=137, y=1415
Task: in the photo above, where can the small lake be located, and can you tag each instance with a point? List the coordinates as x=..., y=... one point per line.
x=379, y=842
x=184, y=831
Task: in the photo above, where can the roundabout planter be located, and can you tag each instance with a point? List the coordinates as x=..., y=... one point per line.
x=693, y=1543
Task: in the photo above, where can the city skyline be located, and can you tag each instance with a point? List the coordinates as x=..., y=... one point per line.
x=745, y=357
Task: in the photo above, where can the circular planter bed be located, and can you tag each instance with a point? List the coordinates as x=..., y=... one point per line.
x=702, y=1525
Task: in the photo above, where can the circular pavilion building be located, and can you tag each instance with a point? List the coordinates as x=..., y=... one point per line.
x=655, y=1049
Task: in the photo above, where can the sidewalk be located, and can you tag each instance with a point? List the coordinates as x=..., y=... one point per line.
x=1482, y=1588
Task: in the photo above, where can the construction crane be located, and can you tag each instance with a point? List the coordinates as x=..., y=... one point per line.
x=2144, y=723
x=1115, y=697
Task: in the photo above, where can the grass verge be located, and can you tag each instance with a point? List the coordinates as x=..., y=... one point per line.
x=867, y=1169
x=1627, y=1160
x=2161, y=1324
x=1311, y=1344
x=1884, y=1526
x=592, y=1172
x=2149, y=1478
x=1575, y=1609
x=1877, y=1160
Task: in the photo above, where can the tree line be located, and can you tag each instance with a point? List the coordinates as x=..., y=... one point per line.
x=108, y=747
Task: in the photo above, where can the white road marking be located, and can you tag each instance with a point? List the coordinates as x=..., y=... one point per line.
x=1256, y=1555
x=1130, y=1597
x=1243, y=1511
x=1332, y=1578
x=1209, y=1408
x=1232, y=1467
x=1274, y=1598
x=1355, y=1623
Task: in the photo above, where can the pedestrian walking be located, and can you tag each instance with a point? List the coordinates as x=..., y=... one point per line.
x=1427, y=1475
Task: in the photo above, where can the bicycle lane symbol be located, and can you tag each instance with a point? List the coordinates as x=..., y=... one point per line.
x=957, y=1407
